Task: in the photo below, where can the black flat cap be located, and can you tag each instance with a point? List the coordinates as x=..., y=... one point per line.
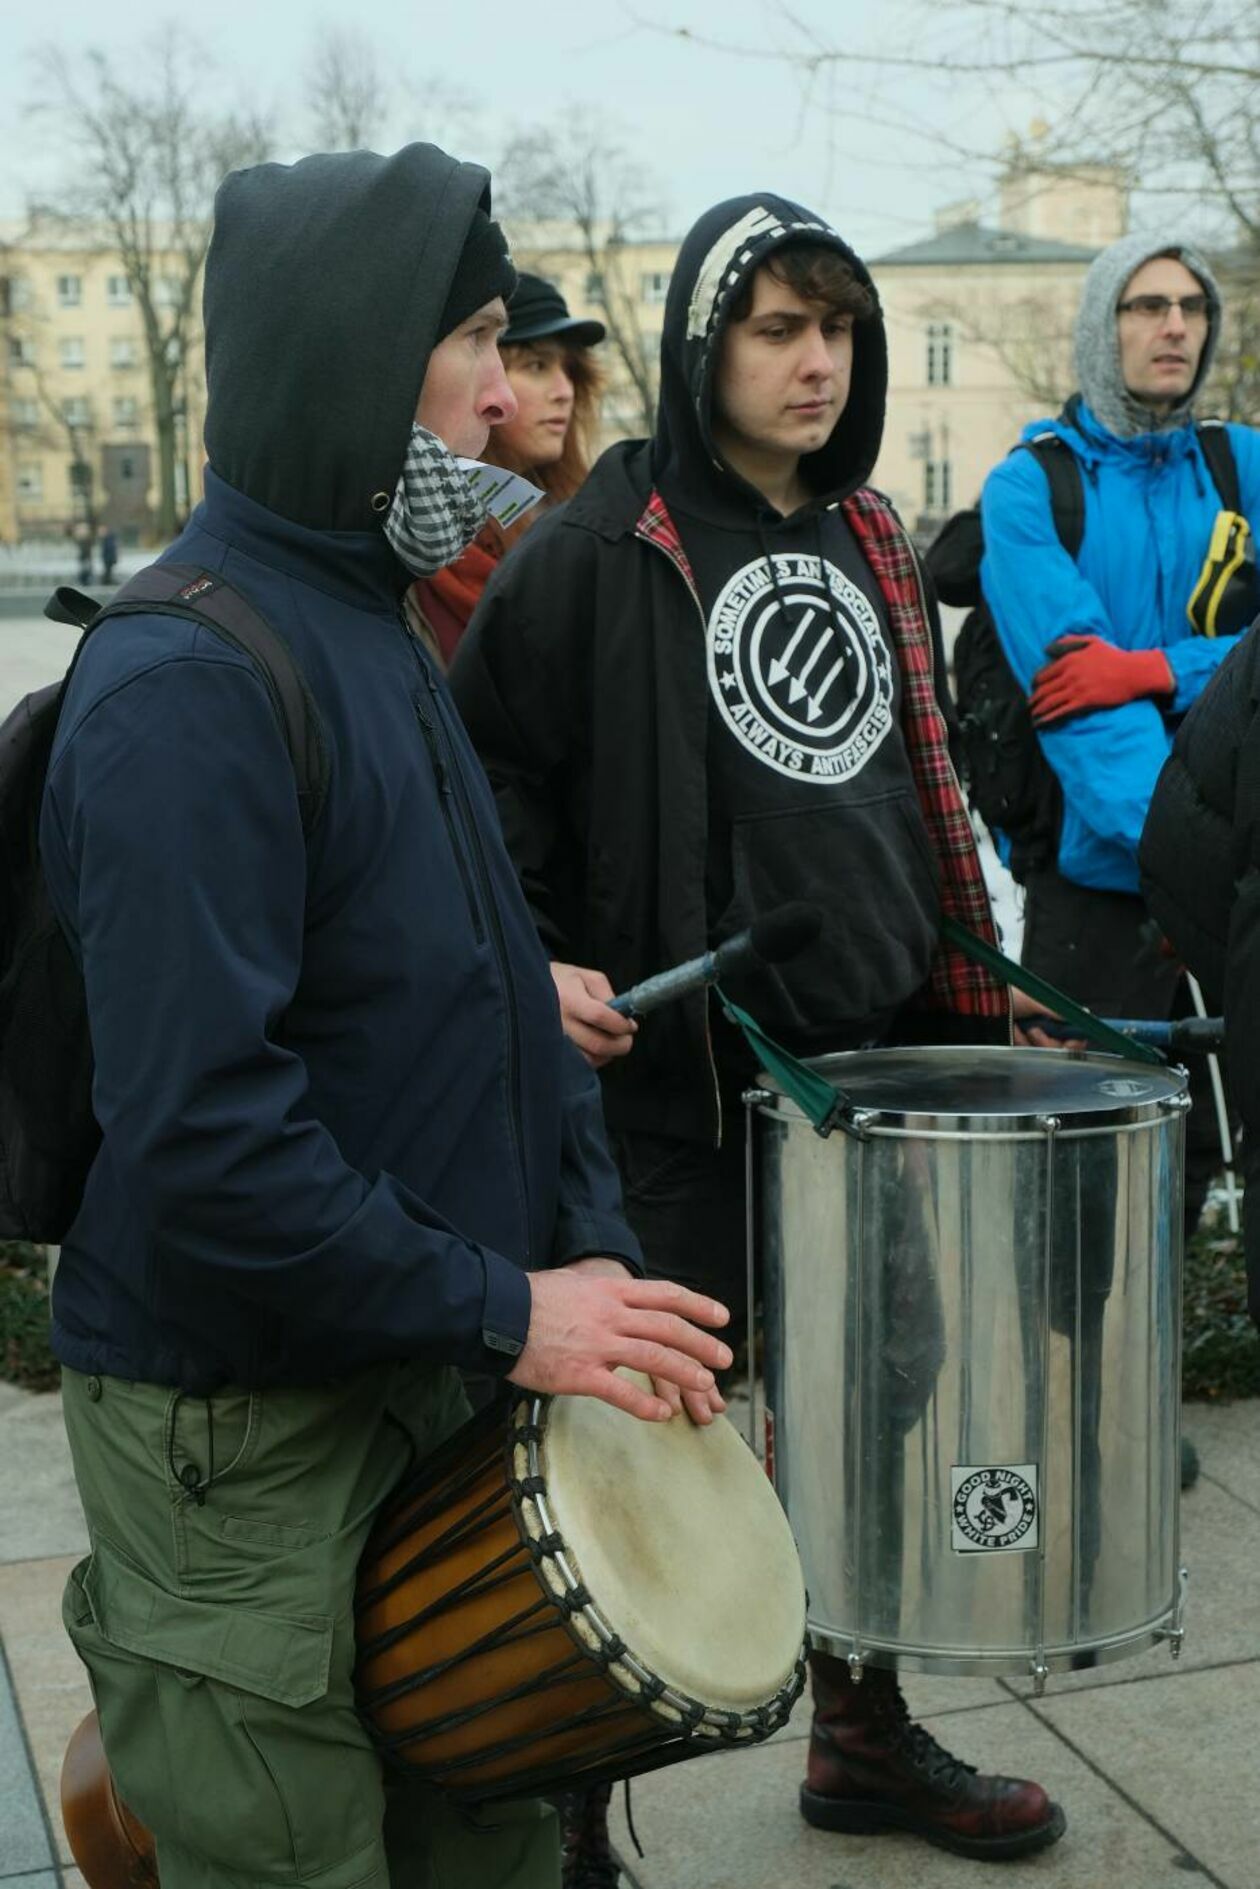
x=538, y=312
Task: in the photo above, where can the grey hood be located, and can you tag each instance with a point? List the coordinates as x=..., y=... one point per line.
x=1098, y=344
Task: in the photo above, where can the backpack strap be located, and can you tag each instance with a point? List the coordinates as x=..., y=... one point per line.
x=1067, y=491
x=1218, y=451
x=185, y=590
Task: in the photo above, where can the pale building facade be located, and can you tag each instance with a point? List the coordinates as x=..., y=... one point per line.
x=76, y=414
x=980, y=329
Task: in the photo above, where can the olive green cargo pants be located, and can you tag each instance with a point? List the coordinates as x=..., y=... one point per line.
x=215, y=1618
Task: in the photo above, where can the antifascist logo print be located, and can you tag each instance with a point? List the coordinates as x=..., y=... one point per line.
x=994, y=1509
x=806, y=687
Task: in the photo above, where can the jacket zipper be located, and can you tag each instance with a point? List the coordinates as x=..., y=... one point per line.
x=442, y=776
x=694, y=594
x=451, y=785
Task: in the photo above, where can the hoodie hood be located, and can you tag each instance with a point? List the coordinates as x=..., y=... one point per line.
x=325, y=285
x=722, y=251
x=1098, y=372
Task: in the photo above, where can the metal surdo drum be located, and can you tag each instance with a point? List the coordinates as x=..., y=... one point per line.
x=593, y=1596
x=972, y=1305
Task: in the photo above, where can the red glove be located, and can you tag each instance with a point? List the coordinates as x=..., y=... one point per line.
x=1087, y=672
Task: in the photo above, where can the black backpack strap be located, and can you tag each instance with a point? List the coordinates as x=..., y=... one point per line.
x=73, y=607
x=1067, y=491
x=1214, y=443
x=185, y=590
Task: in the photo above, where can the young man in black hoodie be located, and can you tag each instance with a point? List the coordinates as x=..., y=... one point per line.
x=345, y=1147
x=706, y=686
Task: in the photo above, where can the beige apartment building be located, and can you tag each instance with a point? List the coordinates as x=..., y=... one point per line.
x=76, y=408
x=979, y=324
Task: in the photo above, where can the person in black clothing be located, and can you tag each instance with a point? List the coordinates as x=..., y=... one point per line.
x=706, y=686
x=1200, y=862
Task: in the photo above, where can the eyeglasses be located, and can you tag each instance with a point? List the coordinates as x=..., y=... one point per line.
x=1156, y=307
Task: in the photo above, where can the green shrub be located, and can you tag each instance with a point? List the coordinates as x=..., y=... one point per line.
x=1220, y=1344
x=25, y=1351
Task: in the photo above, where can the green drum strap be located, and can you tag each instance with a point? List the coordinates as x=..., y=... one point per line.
x=1091, y=1027
x=820, y=1100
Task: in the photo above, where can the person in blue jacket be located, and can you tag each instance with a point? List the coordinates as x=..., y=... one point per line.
x=346, y=1147
x=1103, y=643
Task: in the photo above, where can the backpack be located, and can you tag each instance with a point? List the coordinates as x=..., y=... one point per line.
x=1010, y=784
x=48, y=1133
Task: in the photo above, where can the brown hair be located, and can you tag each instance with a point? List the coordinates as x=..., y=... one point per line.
x=816, y=273
x=560, y=480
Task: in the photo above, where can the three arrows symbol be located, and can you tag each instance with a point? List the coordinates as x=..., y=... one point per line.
x=780, y=667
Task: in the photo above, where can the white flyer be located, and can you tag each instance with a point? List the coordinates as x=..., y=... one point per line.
x=508, y=496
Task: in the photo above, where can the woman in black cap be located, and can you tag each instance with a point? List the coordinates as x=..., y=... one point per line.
x=547, y=354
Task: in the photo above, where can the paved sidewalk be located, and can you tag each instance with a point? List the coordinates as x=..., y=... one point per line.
x=1155, y=1763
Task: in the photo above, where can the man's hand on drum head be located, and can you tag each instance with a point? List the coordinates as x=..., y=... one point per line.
x=589, y=1319
x=600, y=1033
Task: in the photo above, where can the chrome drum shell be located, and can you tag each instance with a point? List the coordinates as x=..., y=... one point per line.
x=972, y=1302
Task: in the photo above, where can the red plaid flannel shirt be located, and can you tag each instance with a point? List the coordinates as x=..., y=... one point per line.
x=956, y=983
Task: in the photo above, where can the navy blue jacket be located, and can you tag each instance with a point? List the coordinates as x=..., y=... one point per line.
x=339, y=1113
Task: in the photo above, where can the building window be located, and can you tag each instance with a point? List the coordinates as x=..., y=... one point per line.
x=72, y=351
x=654, y=287
x=69, y=291
x=30, y=482
x=118, y=291
x=24, y=414
x=594, y=285
x=76, y=411
x=940, y=354
x=938, y=485
x=123, y=351
x=126, y=411
x=21, y=351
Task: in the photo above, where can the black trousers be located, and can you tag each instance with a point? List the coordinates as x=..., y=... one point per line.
x=1103, y=949
x=685, y=1201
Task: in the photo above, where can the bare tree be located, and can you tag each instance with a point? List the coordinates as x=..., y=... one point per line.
x=575, y=189
x=146, y=157
x=347, y=91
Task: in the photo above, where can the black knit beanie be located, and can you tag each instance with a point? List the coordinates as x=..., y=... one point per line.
x=484, y=271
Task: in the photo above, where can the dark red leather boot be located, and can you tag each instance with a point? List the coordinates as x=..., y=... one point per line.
x=587, y=1861
x=872, y=1769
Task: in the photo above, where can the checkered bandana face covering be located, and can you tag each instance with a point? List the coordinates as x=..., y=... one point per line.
x=435, y=513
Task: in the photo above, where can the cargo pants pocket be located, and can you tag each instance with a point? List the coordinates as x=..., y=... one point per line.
x=222, y=1731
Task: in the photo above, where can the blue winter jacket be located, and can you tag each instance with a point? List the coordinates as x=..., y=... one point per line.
x=1149, y=508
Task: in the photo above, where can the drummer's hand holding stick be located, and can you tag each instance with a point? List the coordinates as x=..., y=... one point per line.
x=600, y=1033
x=1027, y=1034
x=591, y=1317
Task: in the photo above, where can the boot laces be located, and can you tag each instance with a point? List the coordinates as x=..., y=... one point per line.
x=938, y=1767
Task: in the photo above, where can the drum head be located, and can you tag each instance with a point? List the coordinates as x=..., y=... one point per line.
x=683, y=1546
x=996, y=1088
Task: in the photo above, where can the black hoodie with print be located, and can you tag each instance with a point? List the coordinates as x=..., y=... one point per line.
x=810, y=789
x=681, y=735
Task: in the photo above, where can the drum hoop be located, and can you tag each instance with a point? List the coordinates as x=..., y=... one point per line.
x=590, y=1627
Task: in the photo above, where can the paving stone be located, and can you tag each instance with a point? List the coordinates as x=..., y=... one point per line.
x=731, y=1822
x=1185, y=1752
x=1227, y=1437
x=48, y=1675
x=40, y=1513
x=24, y=1847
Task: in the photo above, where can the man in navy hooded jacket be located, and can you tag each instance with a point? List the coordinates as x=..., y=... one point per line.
x=345, y=1145
x=709, y=685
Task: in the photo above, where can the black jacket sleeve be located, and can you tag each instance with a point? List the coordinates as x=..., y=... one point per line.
x=517, y=680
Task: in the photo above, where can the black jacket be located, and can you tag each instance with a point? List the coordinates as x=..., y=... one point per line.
x=1200, y=864
x=339, y=1117
x=582, y=680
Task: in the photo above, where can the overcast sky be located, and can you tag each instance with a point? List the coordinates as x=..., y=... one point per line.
x=705, y=124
